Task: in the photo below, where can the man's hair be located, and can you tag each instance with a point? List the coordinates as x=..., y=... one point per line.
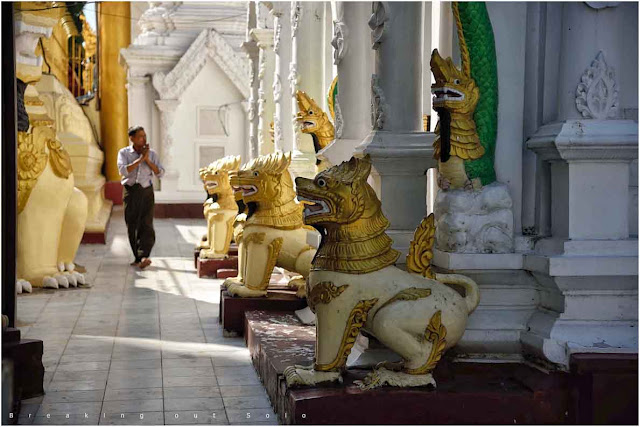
x=134, y=129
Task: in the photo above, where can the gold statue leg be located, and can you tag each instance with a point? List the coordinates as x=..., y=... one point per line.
x=264, y=258
x=329, y=370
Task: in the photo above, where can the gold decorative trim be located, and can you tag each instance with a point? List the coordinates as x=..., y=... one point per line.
x=31, y=162
x=255, y=238
x=357, y=318
x=59, y=158
x=409, y=294
x=305, y=249
x=229, y=235
x=421, y=248
x=274, y=250
x=323, y=293
x=435, y=334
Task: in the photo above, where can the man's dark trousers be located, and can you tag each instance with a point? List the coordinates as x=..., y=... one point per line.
x=138, y=214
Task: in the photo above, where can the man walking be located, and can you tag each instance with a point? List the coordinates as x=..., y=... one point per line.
x=137, y=164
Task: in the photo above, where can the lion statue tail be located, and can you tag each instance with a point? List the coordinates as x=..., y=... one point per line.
x=472, y=291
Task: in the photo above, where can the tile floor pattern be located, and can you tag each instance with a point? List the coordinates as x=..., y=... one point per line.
x=140, y=342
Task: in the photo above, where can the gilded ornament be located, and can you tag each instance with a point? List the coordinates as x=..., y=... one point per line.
x=435, y=334
x=357, y=318
x=31, y=161
x=257, y=238
x=273, y=250
x=410, y=294
x=323, y=293
x=60, y=160
x=421, y=249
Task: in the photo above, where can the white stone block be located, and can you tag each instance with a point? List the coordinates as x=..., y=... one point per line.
x=475, y=221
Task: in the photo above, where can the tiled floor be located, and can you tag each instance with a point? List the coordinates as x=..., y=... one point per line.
x=140, y=347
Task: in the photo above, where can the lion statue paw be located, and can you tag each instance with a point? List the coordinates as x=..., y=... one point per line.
x=23, y=286
x=240, y=290
x=382, y=376
x=299, y=284
x=301, y=375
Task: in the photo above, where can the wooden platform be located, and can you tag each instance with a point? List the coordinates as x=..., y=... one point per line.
x=233, y=252
x=467, y=393
x=232, y=309
x=210, y=267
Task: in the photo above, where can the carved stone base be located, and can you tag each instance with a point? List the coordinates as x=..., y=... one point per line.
x=475, y=221
x=209, y=267
x=232, y=310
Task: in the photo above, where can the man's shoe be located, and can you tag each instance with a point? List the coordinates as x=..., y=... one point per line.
x=146, y=262
x=135, y=263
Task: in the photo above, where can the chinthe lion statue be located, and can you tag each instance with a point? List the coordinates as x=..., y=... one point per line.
x=220, y=209
x=274, y=233
x=354, y=285
x=315, y=122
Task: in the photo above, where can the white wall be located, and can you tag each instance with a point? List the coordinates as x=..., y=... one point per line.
x=211, y=88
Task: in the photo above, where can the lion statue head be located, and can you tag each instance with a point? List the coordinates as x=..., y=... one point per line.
x=339, y=195
x=265, y=179
x=215, y=177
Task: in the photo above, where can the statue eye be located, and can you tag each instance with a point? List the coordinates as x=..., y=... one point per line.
x=255, y=173
x=310, y=112
x=456, y=81
x=216, y=173
x=321, y=182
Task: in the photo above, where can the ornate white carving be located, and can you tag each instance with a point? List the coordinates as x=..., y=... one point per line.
x=294, y=78
x=167, y=109
x=377, y=22
x=339, y=122
x=339, y=41
x=296, y=15
x=475, y=221
x=378, y=103
x=597, y=93
x=209, y=44
x=276, y=37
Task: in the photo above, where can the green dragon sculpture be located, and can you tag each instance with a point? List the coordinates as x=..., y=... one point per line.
x=467, y=102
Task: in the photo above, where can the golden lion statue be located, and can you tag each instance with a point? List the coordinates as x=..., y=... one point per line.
x=220, y=209
x=51, y=213
x=315, y=122
x=354, y=285
x=273, y=234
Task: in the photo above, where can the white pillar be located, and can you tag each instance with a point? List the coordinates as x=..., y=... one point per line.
x=167, y=107
x=139, y=93
x=354, y=59
x=401, y=153
x=251, y=48
x=307, y=75
x=264, y=37
x=283, y=124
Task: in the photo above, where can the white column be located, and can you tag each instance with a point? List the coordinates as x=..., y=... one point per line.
x=139, y=93
x=251, y=49
x=167, y=107
x=283, y=125
x=354, y=59
x=401, y=153
x=264, y=37
x=305, y=74
x=589, y=265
